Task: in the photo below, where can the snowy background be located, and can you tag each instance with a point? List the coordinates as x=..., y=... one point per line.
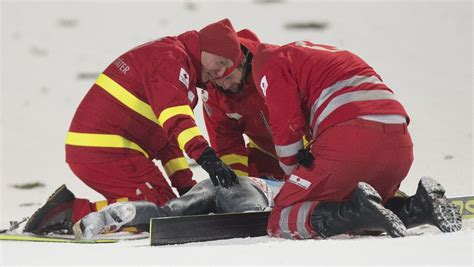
x=52, y=51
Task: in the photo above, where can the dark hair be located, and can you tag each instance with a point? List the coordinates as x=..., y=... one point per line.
x=247, y=65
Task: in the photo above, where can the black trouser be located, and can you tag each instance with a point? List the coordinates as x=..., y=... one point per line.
x=205, y=198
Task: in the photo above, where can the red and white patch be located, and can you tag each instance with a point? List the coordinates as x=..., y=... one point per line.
x=184, y=77
x=299, y=181
x=264, y=85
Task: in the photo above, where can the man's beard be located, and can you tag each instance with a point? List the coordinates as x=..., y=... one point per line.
x=239, y=88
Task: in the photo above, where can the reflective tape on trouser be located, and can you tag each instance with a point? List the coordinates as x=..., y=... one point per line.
x=303, y=212
x=175, y=165
x=284, y=219
x=102, y=140
x=329, y=91
x=170, y=112
x=185, y=136
x=289, y=150
x=367, y=95
x=125, y=97
x=303, y=216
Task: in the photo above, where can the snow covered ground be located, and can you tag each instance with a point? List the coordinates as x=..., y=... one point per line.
x=51, y=52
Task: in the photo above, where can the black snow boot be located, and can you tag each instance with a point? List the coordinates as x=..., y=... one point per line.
x=55, y=216
x=428, y=206
x=363, y=212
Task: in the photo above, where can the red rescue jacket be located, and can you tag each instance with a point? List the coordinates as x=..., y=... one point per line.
x=309, y=87
x=142, y=103
x=229, y=117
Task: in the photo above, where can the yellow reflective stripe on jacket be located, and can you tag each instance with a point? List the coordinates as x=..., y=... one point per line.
x=101, y=140
x=240, y=173
x=174, y=111
x=230, y=159
x=125, y=97
x=252, y=144
x=175, y=165
x=185, y=136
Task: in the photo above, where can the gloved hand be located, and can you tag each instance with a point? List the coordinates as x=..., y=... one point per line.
x=305, y=158
x=182, y=191
x=218, y=171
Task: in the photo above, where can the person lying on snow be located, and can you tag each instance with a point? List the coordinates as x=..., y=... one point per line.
x=254, y=194
x=250, y=194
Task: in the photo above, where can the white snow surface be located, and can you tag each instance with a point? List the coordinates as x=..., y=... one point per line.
x=422, y=49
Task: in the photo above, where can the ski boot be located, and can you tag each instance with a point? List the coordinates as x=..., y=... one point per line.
x=428, y=206
x=55, y=216
x=115, y=216
x=363, y=212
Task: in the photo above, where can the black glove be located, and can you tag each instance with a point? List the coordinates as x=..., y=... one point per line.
x=182, y=191
x=305, y=158
x=218, y=171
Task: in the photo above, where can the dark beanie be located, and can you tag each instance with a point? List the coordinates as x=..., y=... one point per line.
x=220, y=38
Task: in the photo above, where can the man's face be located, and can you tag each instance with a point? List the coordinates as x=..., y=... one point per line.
x=213, y=66
x=233, y=82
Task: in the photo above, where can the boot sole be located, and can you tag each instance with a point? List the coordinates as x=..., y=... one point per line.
x=77, y=230
x=445, y=215
x=84, y=230
x=34, y=221
x=367, y=195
